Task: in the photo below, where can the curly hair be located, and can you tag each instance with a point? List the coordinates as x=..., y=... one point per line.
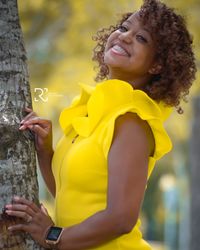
x=174, y=52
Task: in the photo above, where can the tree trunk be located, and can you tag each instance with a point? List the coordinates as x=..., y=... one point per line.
x=17, y=153
x=195, y=175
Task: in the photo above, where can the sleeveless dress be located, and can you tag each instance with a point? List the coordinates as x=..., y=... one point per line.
x=80, y=159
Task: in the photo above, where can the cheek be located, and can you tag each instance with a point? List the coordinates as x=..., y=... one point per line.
x=144, y=55
x=110, y=40
x=141, y=61
x=108, y=46
x=149, y=59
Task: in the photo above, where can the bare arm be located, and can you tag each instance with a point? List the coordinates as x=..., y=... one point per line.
x=42, y=129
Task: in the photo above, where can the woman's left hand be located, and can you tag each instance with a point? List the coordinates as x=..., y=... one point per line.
x=36, y=220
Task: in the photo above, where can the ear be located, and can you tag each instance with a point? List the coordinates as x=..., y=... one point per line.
x=155, y=69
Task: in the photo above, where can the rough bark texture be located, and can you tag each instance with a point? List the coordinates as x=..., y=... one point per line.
x=17, y=153
x=195, y=178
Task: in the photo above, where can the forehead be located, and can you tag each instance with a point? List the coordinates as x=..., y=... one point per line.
x=135, y=18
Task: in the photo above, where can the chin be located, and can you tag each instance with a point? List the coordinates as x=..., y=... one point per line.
x=112, y=63
x=115, y=61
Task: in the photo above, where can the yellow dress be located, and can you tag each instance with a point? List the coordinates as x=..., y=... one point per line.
x=80, y=159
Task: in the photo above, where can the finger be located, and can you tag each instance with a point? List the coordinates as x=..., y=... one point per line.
x=29, y=219
x=38, y=120
x=23, y=127
x=45, y=124
x=44, y=210
x=38, y=130
x=20, y=208
x=27, y=117
x=24, y=201
x=21, y=215
x=20, y=227
x=28, y=109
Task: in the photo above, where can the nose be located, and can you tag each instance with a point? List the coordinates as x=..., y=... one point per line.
x=126, y=37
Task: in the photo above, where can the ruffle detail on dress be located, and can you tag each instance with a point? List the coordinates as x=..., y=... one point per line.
x=112, y=98
x=78, y=108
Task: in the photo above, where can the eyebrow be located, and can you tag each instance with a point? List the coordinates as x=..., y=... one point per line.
x=143, y=28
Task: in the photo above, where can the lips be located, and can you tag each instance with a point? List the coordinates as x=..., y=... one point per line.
x=119, y=50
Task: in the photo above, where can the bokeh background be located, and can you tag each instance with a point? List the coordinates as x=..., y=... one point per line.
x=58, y=38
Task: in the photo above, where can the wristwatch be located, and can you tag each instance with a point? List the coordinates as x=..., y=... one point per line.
x=53, y=235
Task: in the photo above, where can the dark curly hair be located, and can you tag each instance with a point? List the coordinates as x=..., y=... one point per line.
x=173, y=52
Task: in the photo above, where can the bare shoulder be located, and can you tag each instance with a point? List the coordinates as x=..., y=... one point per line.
x=131, y=130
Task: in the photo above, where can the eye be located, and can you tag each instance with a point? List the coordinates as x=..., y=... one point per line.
x=123, y=28
x=141, y=38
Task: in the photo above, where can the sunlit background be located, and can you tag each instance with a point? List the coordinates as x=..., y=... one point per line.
x=58, y=38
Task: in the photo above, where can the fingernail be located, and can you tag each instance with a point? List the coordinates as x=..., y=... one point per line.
x=22, y=122
x=8, y=206
x=27, y=108
x=10, y=228
x=16, y=197
x=30, y=126
x=21, y=127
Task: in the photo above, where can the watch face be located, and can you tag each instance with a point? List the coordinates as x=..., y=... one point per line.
x=54, y=233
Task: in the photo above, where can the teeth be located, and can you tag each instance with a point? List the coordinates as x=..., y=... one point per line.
x=119, y=50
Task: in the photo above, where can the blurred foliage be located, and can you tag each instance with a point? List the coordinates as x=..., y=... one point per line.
x=58, y=37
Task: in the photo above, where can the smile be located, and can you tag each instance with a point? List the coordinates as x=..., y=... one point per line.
x=117, y=49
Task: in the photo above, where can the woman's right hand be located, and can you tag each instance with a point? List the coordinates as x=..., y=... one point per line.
x=42, y=129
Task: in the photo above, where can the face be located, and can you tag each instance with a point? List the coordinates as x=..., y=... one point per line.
x=130, y=50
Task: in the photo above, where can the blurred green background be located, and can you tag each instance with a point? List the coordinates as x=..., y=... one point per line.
x=58, y=38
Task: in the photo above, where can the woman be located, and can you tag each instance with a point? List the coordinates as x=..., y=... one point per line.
x=113, y=135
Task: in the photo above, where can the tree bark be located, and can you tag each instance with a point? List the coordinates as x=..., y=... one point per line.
x=195, y=175
x=17, y=154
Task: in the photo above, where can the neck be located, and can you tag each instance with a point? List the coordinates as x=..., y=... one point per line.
x=138, y=82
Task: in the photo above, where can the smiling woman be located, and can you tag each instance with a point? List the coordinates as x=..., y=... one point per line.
x=159, y=27
x=113, y=134
x=130, y=53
